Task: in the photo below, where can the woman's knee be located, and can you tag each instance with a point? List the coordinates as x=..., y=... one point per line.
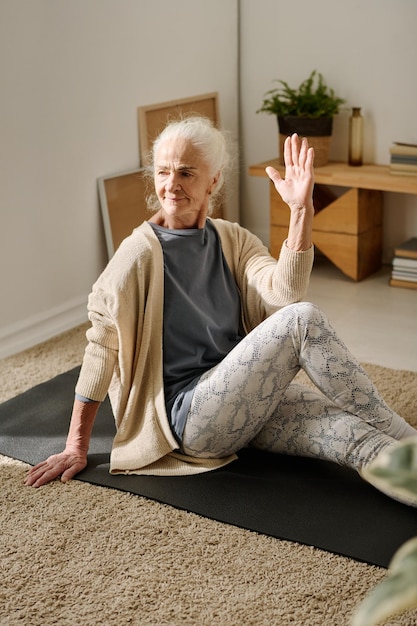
x=304, y=314
x=308, y=310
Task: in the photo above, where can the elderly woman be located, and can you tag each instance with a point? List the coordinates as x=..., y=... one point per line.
x=197, y=334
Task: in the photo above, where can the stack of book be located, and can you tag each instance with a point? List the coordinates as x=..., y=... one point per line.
x=403, y=159
x=404, y=265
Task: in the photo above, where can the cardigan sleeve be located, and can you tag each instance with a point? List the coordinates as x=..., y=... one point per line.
x=291, y=277
x=113, y=309
x=101, y=353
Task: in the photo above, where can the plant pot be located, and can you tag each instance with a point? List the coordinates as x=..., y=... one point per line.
x=317, y=130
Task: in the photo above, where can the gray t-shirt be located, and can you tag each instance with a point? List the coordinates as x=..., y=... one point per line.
x=201, y=313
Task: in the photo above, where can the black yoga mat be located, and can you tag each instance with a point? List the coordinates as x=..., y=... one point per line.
x=308, y=501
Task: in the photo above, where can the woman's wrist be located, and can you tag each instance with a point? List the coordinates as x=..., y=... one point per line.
x=79, y=448
x=300, y=229
x=82, y=421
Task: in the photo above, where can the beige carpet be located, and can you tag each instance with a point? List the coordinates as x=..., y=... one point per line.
x=82, y=555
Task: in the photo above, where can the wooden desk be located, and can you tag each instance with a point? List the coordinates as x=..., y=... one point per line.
x=347, y=228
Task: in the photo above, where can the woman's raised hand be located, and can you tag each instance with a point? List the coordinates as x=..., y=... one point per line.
x=296, y=189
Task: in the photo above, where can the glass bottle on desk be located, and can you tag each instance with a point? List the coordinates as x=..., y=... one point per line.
x=355, y=137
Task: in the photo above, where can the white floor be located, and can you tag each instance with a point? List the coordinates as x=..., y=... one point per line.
x=377, y=322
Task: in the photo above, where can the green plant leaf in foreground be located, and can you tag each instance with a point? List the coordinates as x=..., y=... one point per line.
x=394, y=471
x=394, y=594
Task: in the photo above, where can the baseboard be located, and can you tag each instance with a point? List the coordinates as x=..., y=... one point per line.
x=38, y=328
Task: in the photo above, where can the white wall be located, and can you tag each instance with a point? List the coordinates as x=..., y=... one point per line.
x=367, y=51
x=72, y=75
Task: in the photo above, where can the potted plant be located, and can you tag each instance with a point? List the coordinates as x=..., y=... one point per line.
x=307, y=110
x=393, y=472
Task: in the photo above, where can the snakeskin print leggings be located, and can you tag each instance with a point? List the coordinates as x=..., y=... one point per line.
x=251, y=399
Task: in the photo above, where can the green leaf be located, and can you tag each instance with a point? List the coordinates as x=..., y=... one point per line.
x=396, y=593
x=405, y=557
x=393, y=595
x=312, y=98
x=394, y=471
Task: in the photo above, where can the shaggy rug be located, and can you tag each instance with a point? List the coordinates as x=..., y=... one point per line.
x=82, y=554
x=313, y=502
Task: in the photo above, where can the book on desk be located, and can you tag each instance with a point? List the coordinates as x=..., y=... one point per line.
x=403, y=159
x=404, y=265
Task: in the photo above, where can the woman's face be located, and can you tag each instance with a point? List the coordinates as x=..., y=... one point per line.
x=183, y=184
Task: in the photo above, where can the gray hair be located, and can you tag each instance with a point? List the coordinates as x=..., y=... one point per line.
x=213, y=144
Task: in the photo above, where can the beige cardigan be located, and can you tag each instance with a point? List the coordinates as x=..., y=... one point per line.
x=124, y=353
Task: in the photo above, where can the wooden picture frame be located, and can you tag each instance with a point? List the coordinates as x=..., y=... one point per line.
x=153, y=118
x=123, y=205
